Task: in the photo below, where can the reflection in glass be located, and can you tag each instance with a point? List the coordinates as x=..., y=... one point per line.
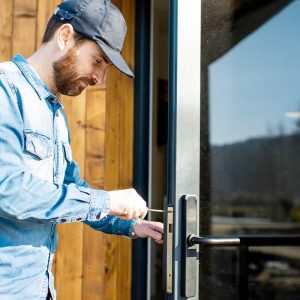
x=255, y=125
x=251, y=72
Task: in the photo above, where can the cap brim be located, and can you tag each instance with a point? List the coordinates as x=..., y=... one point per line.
x=116, y=59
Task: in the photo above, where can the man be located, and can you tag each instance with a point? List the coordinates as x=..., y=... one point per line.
x=40, y=185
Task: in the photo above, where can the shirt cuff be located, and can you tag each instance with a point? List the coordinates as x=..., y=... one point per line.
x=130, y=229
x=99, y=205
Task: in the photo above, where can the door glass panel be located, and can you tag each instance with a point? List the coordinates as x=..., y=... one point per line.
x=250, y=165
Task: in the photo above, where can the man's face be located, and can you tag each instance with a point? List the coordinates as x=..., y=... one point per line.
x=82, y=66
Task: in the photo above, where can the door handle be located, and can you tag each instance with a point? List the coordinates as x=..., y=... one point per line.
x=243, y=242
x=156, y=210
x=192, y=240
x=246, y=240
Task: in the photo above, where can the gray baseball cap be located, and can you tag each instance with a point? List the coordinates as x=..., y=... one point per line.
x=100, y=21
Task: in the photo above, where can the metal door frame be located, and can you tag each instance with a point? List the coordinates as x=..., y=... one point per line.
x=141, y=139
x=184, y=121
x=184, y=124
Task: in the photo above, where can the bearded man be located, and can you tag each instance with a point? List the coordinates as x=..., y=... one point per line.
x=40, y=185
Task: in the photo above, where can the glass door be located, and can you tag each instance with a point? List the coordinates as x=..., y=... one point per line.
x=229, y=166
x=250, y=145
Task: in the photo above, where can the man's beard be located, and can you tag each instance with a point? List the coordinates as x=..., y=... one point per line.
x=66, y=78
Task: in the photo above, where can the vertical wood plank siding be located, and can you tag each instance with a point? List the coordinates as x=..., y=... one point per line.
x=126, y=146
x=93, y=268
x=89, y=265
x=24, y=26
x=6, y=27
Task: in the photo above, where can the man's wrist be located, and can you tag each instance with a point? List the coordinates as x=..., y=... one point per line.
x=132, y=234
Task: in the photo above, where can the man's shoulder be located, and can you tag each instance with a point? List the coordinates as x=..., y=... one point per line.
x=10, y=72
x=8, y=67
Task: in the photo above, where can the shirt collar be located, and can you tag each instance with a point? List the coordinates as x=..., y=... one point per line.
x=34, y=80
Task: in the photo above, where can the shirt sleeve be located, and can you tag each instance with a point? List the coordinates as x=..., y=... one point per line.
x=108, y=224
x=113, y=225
x=25, y=196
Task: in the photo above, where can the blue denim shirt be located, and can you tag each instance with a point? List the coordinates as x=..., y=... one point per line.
x=40, y=184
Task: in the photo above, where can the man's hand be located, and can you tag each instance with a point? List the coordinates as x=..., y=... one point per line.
x=150, y=229
x=127, y=204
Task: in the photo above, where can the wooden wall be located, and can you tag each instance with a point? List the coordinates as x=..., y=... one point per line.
x=89, y=265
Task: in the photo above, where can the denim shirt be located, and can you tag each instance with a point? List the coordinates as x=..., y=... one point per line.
x=40, y=184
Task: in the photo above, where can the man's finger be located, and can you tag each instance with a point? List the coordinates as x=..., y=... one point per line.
x=144, y=213
x=160, y=242
x=157, y=227
x=155, y=235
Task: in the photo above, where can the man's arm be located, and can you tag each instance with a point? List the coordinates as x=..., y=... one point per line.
x=114, y=225
x=140, y=228
x=109, y=224
x=25, y=196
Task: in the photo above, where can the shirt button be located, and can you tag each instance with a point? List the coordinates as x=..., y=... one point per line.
x=57, y=114
x=63, y=220
x=78, y=219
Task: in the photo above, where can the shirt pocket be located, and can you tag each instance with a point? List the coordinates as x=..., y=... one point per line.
x=37, y=144
x=67, y=152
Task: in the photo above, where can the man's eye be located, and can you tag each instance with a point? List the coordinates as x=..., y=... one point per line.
x=98, y=61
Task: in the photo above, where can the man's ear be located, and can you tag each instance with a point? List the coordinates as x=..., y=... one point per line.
x=65, y=36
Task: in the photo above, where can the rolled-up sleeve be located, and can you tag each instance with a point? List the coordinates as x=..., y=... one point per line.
x=25, y=196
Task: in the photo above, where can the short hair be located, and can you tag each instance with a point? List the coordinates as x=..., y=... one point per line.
x=53, y=25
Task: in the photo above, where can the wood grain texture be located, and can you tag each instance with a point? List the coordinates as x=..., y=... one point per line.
x=68, y=275
x=126, y=149
x=44, y=12
x=93, y=266
x=93, y=269
x=24, y=27
x=127, y=101
x=6, y=25
x=95, y=137
x=112, y=173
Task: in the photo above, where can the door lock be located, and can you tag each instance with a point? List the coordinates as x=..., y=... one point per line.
x=168, y=251
x=189, y=251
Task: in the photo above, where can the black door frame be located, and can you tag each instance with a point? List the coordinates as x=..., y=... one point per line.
x=141, y=138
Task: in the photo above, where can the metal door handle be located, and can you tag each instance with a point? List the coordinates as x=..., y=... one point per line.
x=247, y=240
x=243, y=243
x=156, y=210
x=192, y=240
